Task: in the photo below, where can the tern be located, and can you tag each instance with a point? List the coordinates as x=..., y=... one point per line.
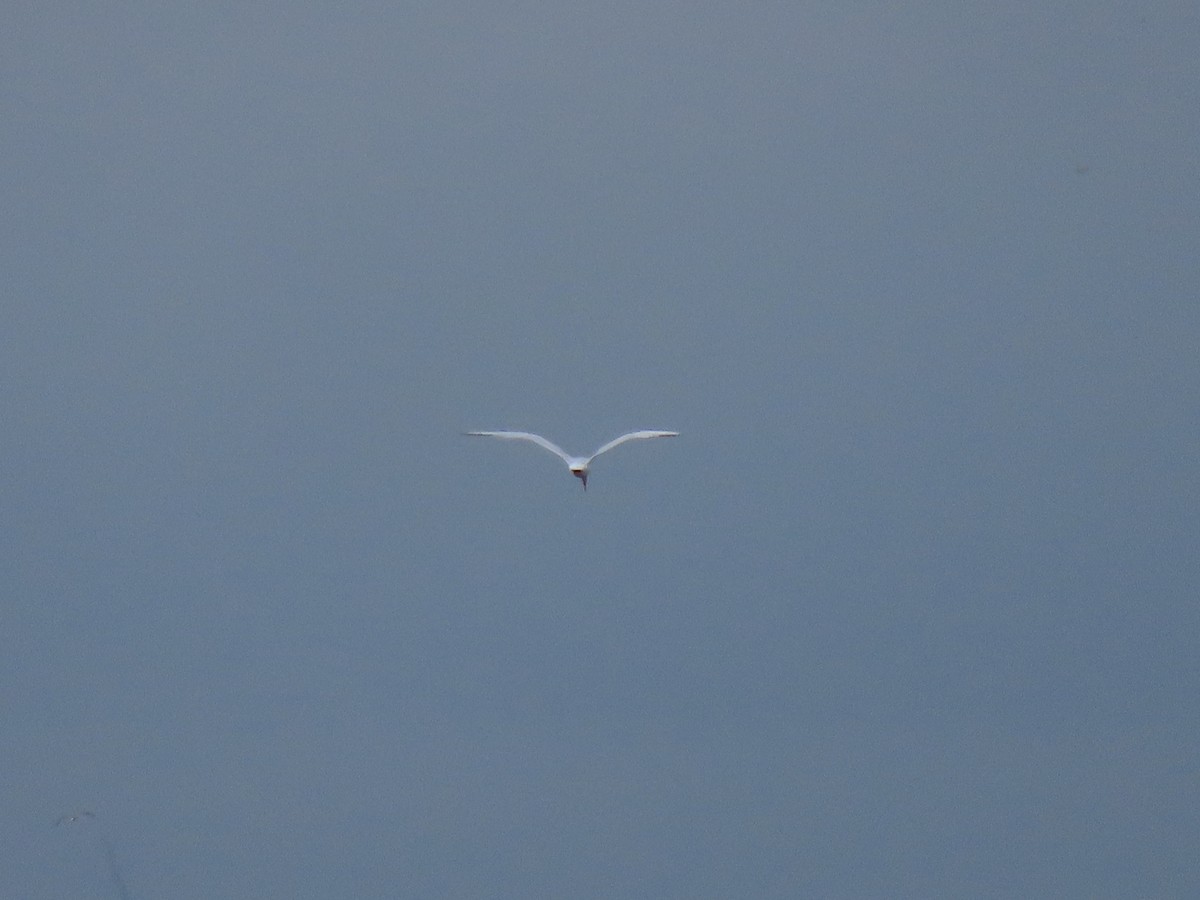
x=75, y=817
x=577, y=464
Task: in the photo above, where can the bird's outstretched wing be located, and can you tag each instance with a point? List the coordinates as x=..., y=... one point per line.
x=526, y=436
x=633, y=436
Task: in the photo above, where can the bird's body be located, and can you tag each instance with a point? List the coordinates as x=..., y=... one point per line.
x=578, y=465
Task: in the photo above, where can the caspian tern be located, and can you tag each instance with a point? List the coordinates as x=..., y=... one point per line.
x=577, y=464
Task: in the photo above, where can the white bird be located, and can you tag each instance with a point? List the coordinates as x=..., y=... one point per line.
x=577, y=464
x=71, y=818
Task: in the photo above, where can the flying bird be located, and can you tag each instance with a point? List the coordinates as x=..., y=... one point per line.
x=577, y=464
x=74, y=817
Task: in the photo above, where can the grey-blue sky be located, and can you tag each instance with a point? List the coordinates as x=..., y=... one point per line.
x=909, y=608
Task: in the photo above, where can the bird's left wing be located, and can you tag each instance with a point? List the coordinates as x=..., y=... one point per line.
x=525, y=436
x=634, y=436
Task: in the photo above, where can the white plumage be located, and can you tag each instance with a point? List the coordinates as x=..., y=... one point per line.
x=577, y=464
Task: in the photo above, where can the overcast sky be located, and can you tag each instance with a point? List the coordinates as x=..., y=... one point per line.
x=909, y=609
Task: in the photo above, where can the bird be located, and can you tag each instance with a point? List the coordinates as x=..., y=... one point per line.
x=577, y=464
x=74, y=817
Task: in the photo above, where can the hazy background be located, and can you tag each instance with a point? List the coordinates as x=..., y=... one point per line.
x=909, y=609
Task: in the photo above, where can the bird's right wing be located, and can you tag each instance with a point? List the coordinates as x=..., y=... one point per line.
x=525, y=436
x=634, y=436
